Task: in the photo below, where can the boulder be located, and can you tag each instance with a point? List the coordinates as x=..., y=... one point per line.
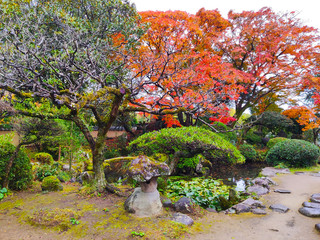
x=310, y=212
x=182, y=218
x=241, y=208
x=311, y=205
x=257, y=189
x=261, y=182
x=315, y=198
x=144, y=204
x=183, y=205
x=253, y=203
x=167, y=203
x=279, y=208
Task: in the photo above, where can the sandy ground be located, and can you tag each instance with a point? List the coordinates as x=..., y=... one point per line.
x=273, y=226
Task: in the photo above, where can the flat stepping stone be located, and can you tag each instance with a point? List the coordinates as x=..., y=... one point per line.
x=182, y=218
x=241, y=208
x=299, y=173
x=257, y=189
x=311, y=205
x=282, y=191
x=310, y=212
x=279, y=208
x=258, y=211
x=253, y=203
x=317, y=227
x=315, y=198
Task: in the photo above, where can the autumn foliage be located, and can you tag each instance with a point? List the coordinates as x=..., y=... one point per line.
x=179, y=67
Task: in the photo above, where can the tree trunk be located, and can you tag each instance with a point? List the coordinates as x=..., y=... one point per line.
x=9, y=166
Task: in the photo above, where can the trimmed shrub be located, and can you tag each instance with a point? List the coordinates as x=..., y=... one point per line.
x=248, y=152
x=51, y=183
x=187, y=144
x=43, y=158
x=20, y=176
x=293, y=153
x=274, y=141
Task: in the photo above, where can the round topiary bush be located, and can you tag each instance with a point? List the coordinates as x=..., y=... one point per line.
x=274, y=141
x=187, y=145
x=293, y=153
x=248, y=152
x=51, y=183
x=20, y=176
x=43, y=158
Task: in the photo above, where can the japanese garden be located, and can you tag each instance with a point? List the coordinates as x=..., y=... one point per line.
x=125, y=124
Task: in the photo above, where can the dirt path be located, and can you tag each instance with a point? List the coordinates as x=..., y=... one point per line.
x=273, y=226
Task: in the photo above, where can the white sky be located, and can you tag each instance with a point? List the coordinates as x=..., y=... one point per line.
x=308, y=9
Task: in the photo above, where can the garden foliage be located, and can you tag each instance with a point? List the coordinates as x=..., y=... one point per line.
x=188, y=144
x=43, y=158
x=274, y=141
x=203, y=192
x=20, y=176
x=294, y=153
x=51, y=183
x=248, y=152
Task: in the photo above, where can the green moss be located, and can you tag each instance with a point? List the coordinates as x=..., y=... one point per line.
x=57, y=218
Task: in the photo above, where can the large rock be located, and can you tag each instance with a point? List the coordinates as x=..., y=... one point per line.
x=317, y=226
x=315, y=198
x=279, y=208
x=183, y=205
x=310, y=212
x=144, y=204
x=182, y=218
x=257, y=189
x=261, y=182
x=247, y=206
x=311, y=205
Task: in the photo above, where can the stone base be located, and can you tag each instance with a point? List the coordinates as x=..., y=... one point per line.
x=144, y=204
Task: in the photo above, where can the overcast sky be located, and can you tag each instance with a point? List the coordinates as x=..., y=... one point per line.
x=308, y=9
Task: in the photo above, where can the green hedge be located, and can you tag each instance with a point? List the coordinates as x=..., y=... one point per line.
x=20, y=176
x=293, y=153
x=274, y=141
x=190, y=144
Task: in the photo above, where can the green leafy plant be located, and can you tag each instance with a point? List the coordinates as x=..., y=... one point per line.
x=3, y=193
x=74, y=221
x=204, y=192
x=253, y=138
x=106, y=210
x=138, y=234
x=45, y=171
x=293, y=153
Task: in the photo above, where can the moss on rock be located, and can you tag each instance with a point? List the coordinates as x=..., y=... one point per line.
x=51, y=183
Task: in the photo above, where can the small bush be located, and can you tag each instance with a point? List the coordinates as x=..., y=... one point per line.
x=187, y=144
x=20, y=176
x=274, y=141
x=43, y=158
x=51, y=183
x=293, y=153
x=253, y=138
x=248, y=152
